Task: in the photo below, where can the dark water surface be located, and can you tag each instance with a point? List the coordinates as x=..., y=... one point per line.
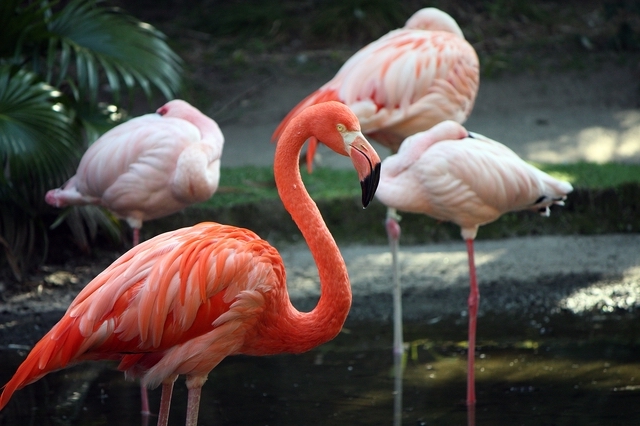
x=559, y=370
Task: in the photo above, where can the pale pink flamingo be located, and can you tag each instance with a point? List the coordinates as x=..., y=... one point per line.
x=470, y=180
x=405, y=82
x=148, y=167
x=181, y=302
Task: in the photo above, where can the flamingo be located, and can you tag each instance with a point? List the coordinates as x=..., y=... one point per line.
x=405, y=82
x=453, y=175
x=182, y=301
x=148, y=167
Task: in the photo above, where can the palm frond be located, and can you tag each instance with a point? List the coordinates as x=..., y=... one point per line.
x=39, y=142
x=23, y=25
x=91, y=41
x=55, y=60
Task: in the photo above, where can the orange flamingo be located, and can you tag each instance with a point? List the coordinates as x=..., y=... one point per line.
x=181, y=302
x=148, y=167
x=405, y=82
x=470, y=180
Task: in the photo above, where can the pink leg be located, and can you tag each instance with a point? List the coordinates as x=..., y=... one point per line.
x=194, y=385
x=393, y=232
x=165, y=402
x=471, y=415
x=193, y=406
x=144, y=398
x=474, y=297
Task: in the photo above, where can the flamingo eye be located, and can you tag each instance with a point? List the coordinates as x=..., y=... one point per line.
x=341, y=128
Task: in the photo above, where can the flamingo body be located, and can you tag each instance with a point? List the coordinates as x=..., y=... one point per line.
x=148, y=167
x=405, y=82
x=181, y=302
x=452, y=175
x=466, y=178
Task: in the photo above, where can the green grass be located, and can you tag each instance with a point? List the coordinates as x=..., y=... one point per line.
x=594, y=176
x=250, y=184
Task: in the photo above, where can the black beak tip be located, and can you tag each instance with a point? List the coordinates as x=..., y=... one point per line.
x=370, y=185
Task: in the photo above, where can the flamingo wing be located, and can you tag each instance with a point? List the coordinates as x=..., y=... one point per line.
x=208, y=280
x=469, y=181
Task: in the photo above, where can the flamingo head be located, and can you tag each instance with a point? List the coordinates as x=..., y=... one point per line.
x=176, y=108
x=432, y=19
x=336, y=126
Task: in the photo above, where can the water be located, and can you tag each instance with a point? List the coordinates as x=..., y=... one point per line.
x=558, y=370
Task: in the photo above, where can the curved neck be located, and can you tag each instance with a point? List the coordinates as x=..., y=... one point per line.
x=324, y=322
x=211, y=134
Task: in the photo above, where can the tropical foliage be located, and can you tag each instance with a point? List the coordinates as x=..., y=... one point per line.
x=65, y=69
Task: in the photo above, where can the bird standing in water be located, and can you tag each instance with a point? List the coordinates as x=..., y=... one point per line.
x=465, y=178
x=405, y=82
x=181, y=302
x=148, y=167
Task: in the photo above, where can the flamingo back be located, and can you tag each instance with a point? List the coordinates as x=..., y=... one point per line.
x=405, y=82
x=410, y=80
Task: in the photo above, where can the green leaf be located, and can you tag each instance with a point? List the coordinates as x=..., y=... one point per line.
x=55, y=59
x=104, y=40
x=39, y=142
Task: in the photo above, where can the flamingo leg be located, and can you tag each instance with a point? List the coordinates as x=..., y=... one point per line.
x=471, y=415
x=165, y=401
x=144, y=399
x=474, y=297
x=194, y=385
x=393, y=232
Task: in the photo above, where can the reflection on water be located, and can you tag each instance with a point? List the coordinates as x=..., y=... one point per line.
x=538, y=371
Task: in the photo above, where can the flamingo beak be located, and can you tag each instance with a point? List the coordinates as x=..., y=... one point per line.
x=366, y=161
